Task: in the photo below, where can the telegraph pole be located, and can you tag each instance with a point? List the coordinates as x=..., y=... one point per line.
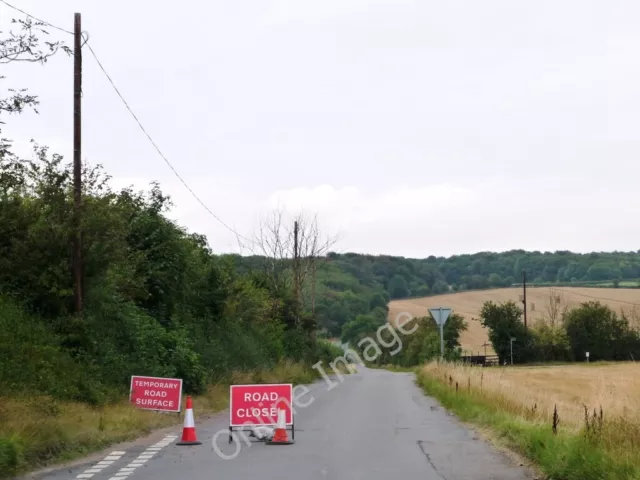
x=296, y=266
x=524, y=296
x=77, y=164
x=313, y=288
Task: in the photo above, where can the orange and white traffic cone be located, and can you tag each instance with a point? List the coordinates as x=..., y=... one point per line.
x=280, y=436
x=189, y=430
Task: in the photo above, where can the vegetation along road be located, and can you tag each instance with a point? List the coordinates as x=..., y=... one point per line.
x=373, y=425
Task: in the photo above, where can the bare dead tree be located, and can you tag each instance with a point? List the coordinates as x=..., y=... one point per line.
x=632, y=315
x=555, y=308
x=292, y=264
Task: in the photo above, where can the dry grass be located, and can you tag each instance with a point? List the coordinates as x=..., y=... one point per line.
x=614, y=387
x=468, y=304
x=44, y=429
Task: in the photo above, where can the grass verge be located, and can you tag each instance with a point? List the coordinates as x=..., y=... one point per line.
x=588, y=453
x=37, y=431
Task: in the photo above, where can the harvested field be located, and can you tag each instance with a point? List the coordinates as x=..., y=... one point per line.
x=614, y=387
x=468, y=304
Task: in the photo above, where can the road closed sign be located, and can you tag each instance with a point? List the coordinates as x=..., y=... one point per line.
x=154, y=393
x=258, y=404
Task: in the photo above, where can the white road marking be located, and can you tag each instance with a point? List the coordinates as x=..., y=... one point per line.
x=98, y=467
x=142, y=458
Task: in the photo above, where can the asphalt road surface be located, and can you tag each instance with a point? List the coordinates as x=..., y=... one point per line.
x=373, y=425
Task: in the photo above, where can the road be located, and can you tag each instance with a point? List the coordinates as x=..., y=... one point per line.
x=374, y=425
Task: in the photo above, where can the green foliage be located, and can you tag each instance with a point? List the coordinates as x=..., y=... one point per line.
x=398, y=287
x=360, y=327
x=596, y=329
x=592, y=327
x=348, y=283
x=157, y=301
x=419, y=344
x=504, y=323
x=552, y=343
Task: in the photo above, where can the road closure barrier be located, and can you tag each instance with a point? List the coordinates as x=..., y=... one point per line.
x=261, y=405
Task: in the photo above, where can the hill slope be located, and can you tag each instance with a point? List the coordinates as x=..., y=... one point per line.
x=468, y=304
x=349, y=284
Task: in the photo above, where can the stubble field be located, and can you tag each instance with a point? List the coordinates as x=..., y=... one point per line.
x=468, y=304
x=613, y=387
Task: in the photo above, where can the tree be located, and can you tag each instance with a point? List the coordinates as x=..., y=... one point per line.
x=362, y=326
x=398, y=287
x=24, y=46
x=377, y=300
x=555, y=308
x=292, y=251
x=504, y=322
x=596, y=329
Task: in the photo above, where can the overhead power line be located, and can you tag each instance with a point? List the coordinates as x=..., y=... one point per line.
x=36, y=18
x=570, y=290
x=158, y=148
x=126, y=104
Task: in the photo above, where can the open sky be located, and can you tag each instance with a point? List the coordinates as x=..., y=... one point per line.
x=411, y=127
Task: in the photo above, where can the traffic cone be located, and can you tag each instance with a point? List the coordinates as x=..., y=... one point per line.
x=189, y=430
x=280, y=436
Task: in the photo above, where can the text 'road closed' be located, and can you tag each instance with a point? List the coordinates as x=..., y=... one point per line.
x=258, y=404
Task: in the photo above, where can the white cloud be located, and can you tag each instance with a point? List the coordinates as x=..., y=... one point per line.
x=350, y=207
x=288, y=11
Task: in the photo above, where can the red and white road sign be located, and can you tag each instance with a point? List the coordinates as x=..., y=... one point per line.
x=153, y=393
x=258, y=404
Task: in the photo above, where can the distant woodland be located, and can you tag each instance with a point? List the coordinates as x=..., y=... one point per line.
x=351, y=284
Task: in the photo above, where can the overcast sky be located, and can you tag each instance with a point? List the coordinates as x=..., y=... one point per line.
x=411, y=127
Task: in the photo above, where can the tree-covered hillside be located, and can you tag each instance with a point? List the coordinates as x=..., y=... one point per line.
x=155, y=299
x=353, y=284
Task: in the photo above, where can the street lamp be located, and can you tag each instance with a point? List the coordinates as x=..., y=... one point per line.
x=513, y=339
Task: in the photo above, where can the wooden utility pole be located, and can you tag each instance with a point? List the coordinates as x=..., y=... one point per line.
x=313, y=287
x=296, y=265
x=77, y=165
x=524, y=296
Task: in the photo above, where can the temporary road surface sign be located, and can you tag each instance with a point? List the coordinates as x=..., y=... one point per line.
x=154, y=393
x=258, y=404
x=440, y=314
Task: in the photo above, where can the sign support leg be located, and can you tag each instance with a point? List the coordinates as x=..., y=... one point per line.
x=230, y=434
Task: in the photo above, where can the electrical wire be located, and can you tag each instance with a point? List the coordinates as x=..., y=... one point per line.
x=36, y=18
x=570, y=291
x=155, y=145
x=158, y=148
